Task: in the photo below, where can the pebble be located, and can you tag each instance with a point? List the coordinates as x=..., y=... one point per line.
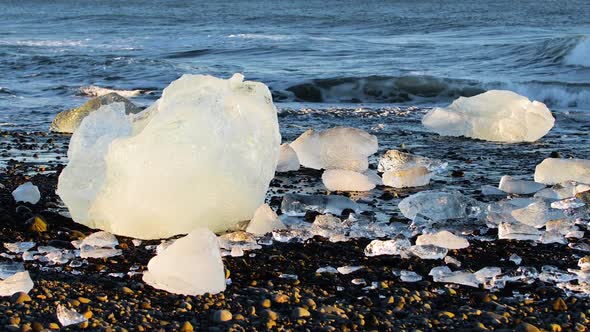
x=187, y=327
x=300, y=312
x=222, y=316
x=37, y=224
x=20, y=297
x=559, y=304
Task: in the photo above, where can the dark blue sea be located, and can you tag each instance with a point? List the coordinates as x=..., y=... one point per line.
x=405, y=53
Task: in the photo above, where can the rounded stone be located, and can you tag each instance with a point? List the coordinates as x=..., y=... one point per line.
x=222, y=316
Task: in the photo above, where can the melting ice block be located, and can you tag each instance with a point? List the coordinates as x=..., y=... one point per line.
x=265, y=220
x=192, y=265
x=443, y=239
x=335, y=148
x=495, y=115
x=521, y=187
x=556, y=170
x=406, y=178
x=562, y=190
x=288, y=160
x=18, y=282
x=345, y=180
x=67, y=317
x=441, y=205
x=298, y=205
x=397, y=246
x=201, y=156
x=27, y=192
x=429, y=251
x=444, y=274
x=403, y=170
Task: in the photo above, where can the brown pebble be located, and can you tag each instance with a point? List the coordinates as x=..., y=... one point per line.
x=187, y=327
x=20, y=297
x=559, y=304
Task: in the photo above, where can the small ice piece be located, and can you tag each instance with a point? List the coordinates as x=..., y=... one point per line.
x=101, y=240
x=398, y=246
x=495, y=115
x=441, y=205
x=8, y=269
x=358, y=281
x=395, y=160
x=291, y=235
x=136, y=242
x=288, y=160
x=444, y=274
x=520, y=187
x=192, y=265
x=488, y=190
x=328, y=226
x=238, y=239
x=515, y=259
x=552, y=274
x=417, y=176
x=298, y=205
x=486, y=274
x=94, y=252
x=345, y=180
x=265, y=220
x=27, y=193
x=452, y=260
x=335, y=148
x=557, y=170
x=584, y=263
x=443, y=239
x=518, y=231
x=347, y=269
x=288, y=276
x=18, y=282
x=429, y=252
x=537, y=214
x=526, y=274
x=562, y=190
x=327, y=269
x=67, y=317
x=568, y=203
x=19, y=247
x=409, y=276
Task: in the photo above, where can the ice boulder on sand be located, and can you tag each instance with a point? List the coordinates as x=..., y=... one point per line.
x=335, y=148
x=288, y=160
x=27, y=192
x=345, y=180
x=201, y=156
x=556, y=170
x=495, y=115
x=192, y=265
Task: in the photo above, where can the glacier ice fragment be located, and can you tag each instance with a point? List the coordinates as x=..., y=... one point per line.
x=27, y=192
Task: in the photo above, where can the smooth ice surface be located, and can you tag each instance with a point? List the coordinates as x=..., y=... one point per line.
x=536, y=214
x=202, y=156
x=9, y=268
x=288, y=160
x=441, y=205
x=192, y=265
x=67, y=317
x=409, y=276
x=417, y=176
x=345, y=180
x=18, y=282
x=298, y=205
x=562, y=190
x=265, y=220
x=521, y=187
x=27, y=192
x=556, y=170
x=518, y=231
x=335, y=148
x=429, y=251
x=444, y=274
x=443, y=239
x=495, y=115
x=395, y=160
x=100, y=239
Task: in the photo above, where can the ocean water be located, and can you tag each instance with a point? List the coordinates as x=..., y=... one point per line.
x=319, y=53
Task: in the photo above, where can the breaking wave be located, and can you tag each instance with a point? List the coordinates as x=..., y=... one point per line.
x=97, y=91
x=580, y=54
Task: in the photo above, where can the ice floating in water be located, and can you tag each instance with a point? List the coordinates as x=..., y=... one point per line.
x=345, y=180
x=8, y=269
x=335, y=148
x=495, y=115
x=192, y=265
x=208, y=143
x=409, y=276
x=397, y=246
x=298, y=205
x=443, y=239
x=556, y=170
x=67, y=317
x=288, y=160
x=19, y=247
x=18, y=282
x=441, y=205
x=265, y=220
x=521, y=187
x=27, y=192
x=429, y=252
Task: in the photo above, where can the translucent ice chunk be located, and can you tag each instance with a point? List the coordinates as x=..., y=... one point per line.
x=27, y=193
x=568, y=203
x=335, y=148
x=8, y=269
x=409, y=276
x=495, y=115
x=238, y=239
x=518, y=231
x=429, y=252
x=94, y=252
x=208, y=143
x=554, y=275
x=348, y=269
x=486, y=274
x=328, y=226
x=515, y=259
x=521, y=187
x=67, y=317
x=19, y=247
x=345, y=180
x=397, y=246
x=417, y=176
x=265, y=220
x=441, y=205
x=444, y=274
x=443, y=239
x=537, y=214
x=488, y=190
x=18, y=282
x=562, y=190
x=298, y=205
x=327, y=269
x=101, y=240
x=556, y=170
x=288, y=160
x=192, y=265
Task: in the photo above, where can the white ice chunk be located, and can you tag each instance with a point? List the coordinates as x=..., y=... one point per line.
x=418, y=176
x=345, y=180
x=327, y=269
x=518, y=231
x=554, y=275
x=328, y=226
x=568, y=203
x=452, y=260
x=67, y=317
x=428, y=252
x=562, y=190
x=298, y=205
x=348, y=269
x=192, y=265
x=27, y=192
x=556, y=170
x=207, y=143
x=495, y=115
x=335, y=148
x=288, y=160
x=444, y=274
x=515, y=259
x=520, y=187
x=18, y=282
x=443, y=239
x=100, y=239
x=265, y=221
x=409, y=276
x=486, y=274
x=397, y=246
x=441, y=205
x=19, y=247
